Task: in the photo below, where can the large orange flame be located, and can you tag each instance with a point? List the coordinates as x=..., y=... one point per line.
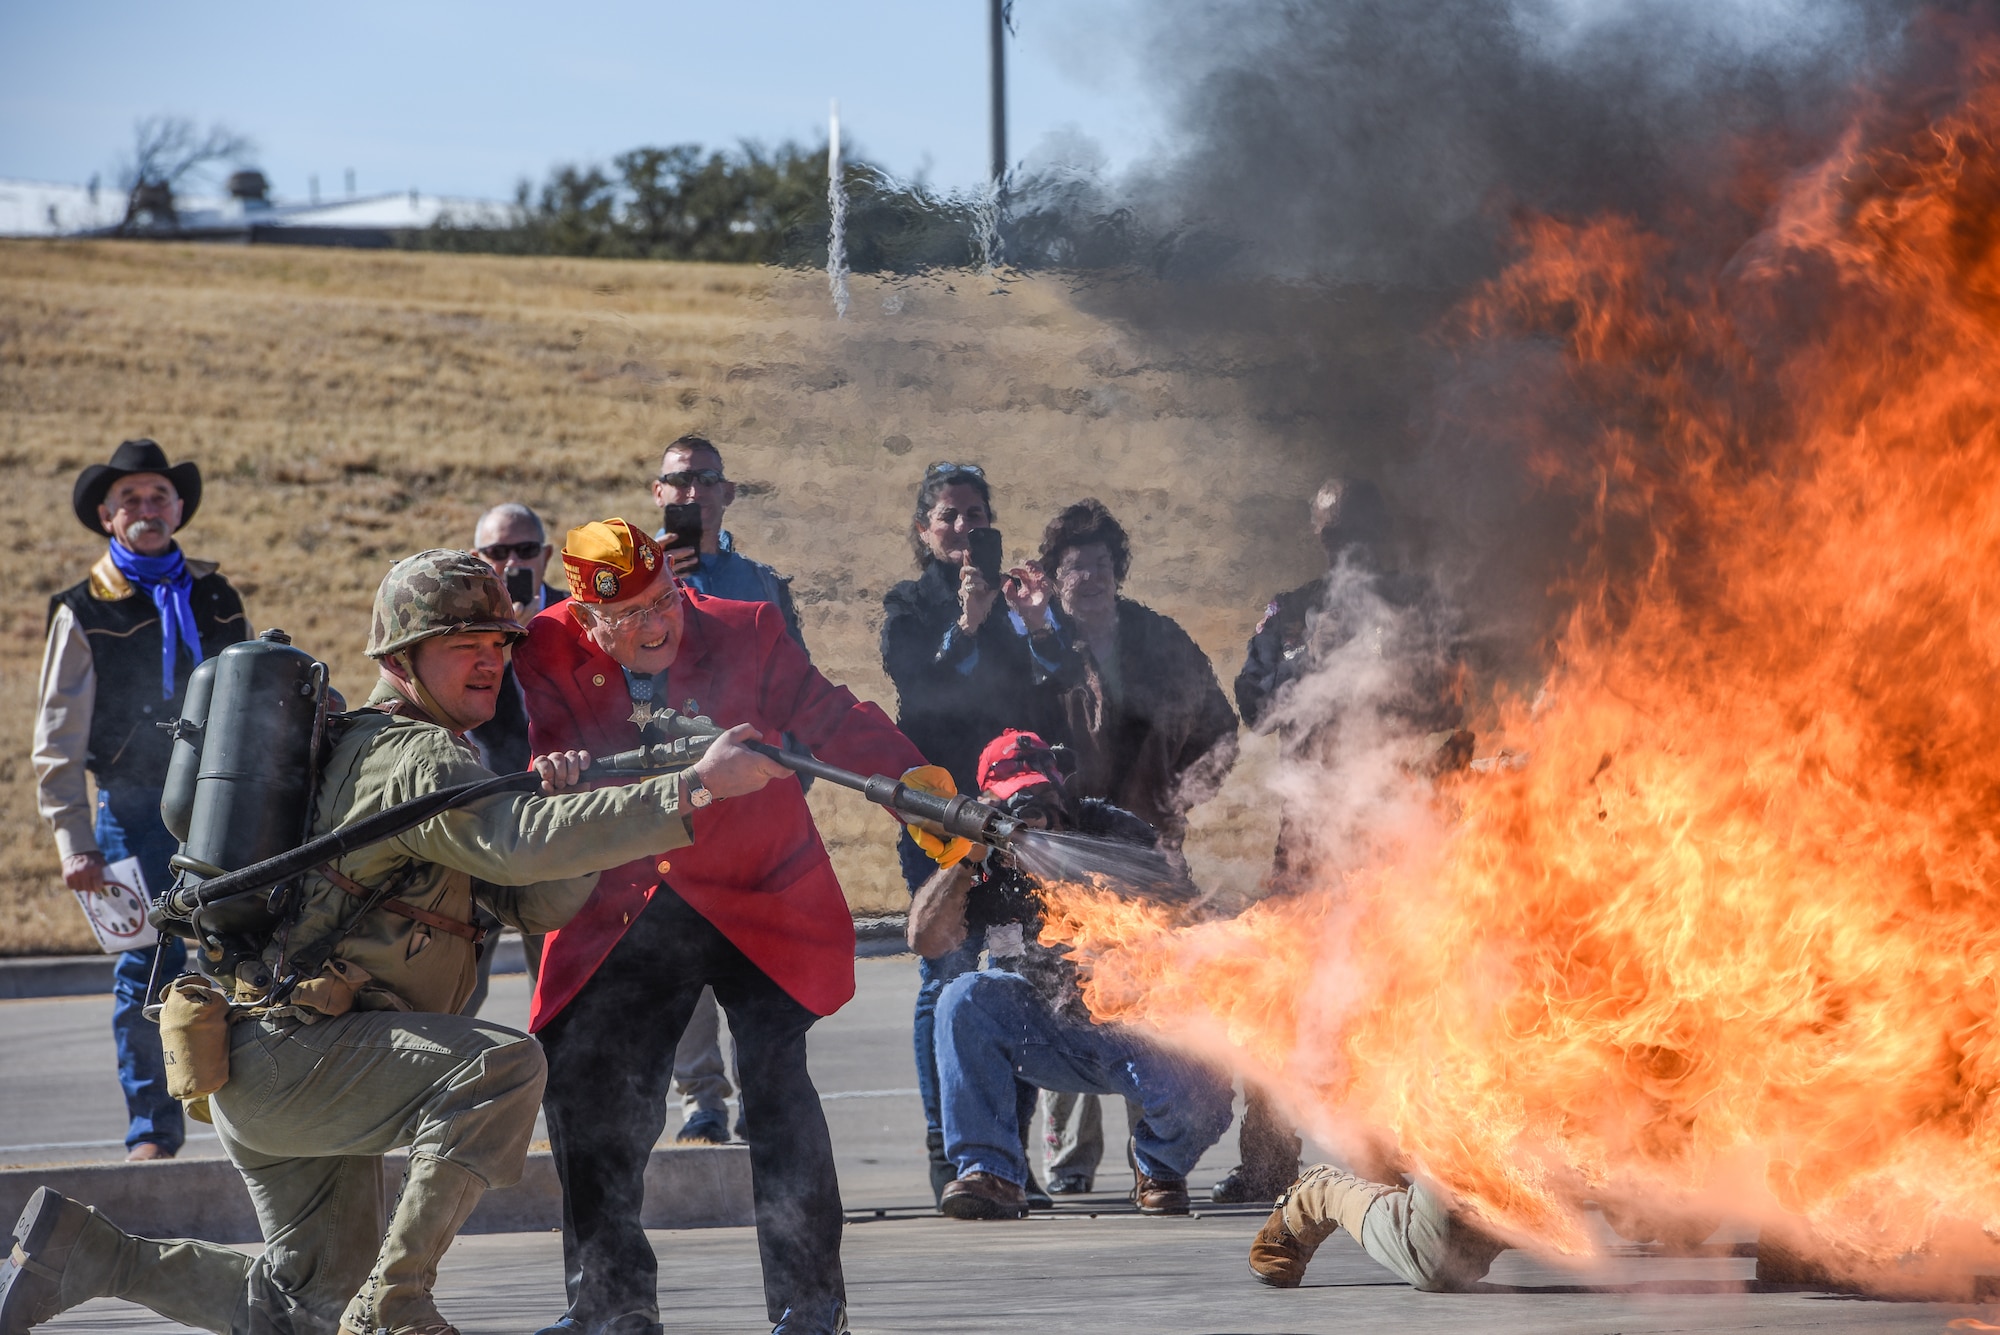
x=1735, y=929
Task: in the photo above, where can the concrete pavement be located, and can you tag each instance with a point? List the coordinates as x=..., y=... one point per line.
x=1092, y=1266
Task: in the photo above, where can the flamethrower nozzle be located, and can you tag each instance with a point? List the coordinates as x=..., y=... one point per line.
x=964, y=817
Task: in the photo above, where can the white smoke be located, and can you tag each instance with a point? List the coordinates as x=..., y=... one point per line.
x=1361, y=726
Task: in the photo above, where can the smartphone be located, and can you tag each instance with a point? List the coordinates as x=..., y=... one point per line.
x=682, y=524
x=985, y=553
x=521, y=583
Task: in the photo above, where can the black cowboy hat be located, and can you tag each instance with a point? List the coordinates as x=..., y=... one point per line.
x=134, y=456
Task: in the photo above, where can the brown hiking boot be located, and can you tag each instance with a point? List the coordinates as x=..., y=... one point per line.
x=1311, y=1210
x=1277, y=1257
x=983, y=1196
x=1160, y=1195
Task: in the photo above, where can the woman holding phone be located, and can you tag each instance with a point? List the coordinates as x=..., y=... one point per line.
x=962, y=678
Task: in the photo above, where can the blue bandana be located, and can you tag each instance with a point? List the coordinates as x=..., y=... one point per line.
x=167, y=580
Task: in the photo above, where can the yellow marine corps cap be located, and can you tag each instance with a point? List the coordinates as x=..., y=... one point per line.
x=610, y=561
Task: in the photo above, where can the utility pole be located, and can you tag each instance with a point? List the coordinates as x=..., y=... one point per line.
x=999, y=77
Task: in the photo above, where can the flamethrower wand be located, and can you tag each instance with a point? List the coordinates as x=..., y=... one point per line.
x=688, y=740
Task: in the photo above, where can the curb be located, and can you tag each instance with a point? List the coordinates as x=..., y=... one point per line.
x=29, y=976
x=875, y=938
x=687, y=1186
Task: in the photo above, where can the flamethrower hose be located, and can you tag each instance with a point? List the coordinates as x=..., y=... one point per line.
x=183, y=903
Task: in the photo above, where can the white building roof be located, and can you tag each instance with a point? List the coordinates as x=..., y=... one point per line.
x=35, y=208
x=39, y=208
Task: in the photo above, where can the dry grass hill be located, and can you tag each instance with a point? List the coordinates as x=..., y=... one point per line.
x=349, y=408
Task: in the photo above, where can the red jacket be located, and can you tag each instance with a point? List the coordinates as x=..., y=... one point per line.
x=756, y=869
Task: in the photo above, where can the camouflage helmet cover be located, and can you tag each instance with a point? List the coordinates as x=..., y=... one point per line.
x=439, y=592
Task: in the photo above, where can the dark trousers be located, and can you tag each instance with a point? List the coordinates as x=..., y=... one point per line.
x=1267, y=1145
x=611, y=1062
x=129, y=826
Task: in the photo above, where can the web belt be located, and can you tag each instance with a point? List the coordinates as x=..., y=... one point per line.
x=403, y=908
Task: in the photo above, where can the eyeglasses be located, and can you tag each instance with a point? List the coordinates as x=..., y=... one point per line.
x=943, y=467
x=520, y=551
x=706, y=477
x=660, y=606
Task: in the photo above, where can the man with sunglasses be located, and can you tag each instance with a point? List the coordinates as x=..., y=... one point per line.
x=511, y=539
x=1024, y=1019
x=691, y=474
x=754, y=912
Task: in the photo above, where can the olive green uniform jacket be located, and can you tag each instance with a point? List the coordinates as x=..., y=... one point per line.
x=538, y=856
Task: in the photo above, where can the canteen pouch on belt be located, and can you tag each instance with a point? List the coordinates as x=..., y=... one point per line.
x=331, y=991
x=194, y=1035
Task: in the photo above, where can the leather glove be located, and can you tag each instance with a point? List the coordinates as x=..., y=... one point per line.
x=945, y=850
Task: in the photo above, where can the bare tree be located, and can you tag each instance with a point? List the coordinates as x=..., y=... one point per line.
x=167, y=150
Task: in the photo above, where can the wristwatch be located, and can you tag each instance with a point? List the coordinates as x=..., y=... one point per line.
x=693, y=791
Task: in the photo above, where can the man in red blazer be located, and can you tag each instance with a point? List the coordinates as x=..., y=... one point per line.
x=751, y=908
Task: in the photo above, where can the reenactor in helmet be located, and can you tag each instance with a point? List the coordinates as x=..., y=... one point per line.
x=368, y=1054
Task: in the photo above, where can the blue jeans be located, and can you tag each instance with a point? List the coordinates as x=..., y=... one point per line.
x=932, y=975
x=128, y=825
x=993, y=1026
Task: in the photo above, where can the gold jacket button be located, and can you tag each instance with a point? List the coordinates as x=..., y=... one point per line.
x=597, y=680
x=628, y=920
x=665, y=866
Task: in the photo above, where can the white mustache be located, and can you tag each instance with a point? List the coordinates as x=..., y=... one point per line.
x=144, y=526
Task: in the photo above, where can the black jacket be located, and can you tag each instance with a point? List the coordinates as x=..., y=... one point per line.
x=1164, y=739
x=1302, y=631
x=953, y=702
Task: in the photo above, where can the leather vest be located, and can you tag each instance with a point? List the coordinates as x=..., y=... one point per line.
x=126, y=750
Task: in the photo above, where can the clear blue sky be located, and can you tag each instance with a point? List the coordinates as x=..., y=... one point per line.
x=453, y=97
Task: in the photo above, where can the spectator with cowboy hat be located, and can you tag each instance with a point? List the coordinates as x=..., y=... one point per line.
x=121, y=644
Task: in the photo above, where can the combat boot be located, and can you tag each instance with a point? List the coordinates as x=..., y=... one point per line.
x=31, y=1278
x=65, y=1254
x=437, y=1198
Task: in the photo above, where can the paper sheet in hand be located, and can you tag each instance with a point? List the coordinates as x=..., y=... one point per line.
x=118, y=916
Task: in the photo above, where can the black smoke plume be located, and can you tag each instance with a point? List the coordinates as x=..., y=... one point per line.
x=1345, y=172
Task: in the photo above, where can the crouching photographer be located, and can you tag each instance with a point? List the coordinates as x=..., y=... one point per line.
x=1024, y=1016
